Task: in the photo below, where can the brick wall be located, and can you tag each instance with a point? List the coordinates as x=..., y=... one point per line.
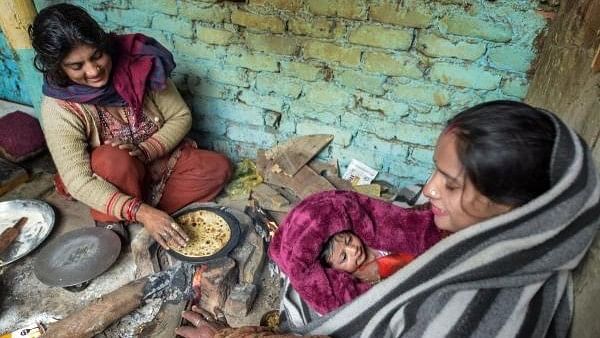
x=10, y=79
x=382, y=76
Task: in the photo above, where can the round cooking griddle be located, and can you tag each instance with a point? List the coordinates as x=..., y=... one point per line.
x=77, y=256
x=234, y=228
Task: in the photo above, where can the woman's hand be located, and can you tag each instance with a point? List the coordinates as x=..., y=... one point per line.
x=134, y=151
x=368, y=273
x=162, y=227
x=204, y=324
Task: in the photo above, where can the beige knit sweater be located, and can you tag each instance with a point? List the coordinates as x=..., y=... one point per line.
x=72, y=131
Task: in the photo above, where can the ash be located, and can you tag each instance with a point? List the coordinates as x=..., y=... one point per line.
x=173, y=285
x=133, y=324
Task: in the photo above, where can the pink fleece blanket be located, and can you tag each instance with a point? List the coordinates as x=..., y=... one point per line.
x=381, y=225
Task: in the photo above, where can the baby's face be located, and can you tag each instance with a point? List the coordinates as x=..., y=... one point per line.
x=348, y=252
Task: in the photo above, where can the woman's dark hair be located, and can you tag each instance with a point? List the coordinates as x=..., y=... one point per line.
x=56, y=31
x=506, y=148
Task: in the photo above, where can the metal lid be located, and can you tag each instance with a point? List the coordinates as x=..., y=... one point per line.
x=77, y=256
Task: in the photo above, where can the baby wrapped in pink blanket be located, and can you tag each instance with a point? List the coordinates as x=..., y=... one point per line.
x=298, y=242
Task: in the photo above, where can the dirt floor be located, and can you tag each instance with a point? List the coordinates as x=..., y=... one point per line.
x=25, y=300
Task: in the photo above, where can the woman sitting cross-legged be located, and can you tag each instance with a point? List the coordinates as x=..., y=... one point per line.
x=115, y=125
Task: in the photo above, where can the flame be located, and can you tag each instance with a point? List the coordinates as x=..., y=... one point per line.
x=196, y=282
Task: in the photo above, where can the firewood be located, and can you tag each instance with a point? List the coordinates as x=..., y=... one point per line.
x=96, y=317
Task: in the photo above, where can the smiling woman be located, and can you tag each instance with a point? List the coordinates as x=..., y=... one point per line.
x=115, y=125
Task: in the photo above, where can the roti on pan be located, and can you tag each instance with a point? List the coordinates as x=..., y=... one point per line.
x=208, y=233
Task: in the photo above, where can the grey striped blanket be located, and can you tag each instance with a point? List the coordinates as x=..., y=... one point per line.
x=509, y=276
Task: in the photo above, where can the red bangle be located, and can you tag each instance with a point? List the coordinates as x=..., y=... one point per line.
x=132, y=209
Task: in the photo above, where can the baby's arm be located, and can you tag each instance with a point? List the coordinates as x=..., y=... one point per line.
x=368, y=272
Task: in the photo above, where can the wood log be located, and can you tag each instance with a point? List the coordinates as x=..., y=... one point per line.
x=96, y=317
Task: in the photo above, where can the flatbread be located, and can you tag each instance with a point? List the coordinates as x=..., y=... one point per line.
x=208, y=233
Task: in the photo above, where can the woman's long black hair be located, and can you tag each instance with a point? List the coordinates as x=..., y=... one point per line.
x=506, y=149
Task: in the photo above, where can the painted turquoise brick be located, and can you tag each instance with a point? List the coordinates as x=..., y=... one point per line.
x=11, y=83
x=163, y=6
x=237, y=112
x=423, y=155
x=128, y=17
x=470, y=76
x=386, y=109
x=384, y=147
x=424, y=135
x=251, y=134
x=201, y=12
x=435, y=115
x=256, y=61
x=495, y=95
x=410, y=172
x=383, y=37
x=215, y=36
x=211, y=89
x=180, y=26
x=228, y=75
x=472, y=26
x=340, y=136
x=210, y=124
x=188, y=49
x=345, y=155
x=327, y=96
x=392, y=64
x=383, y=129
x=264, y=101
x=425, y=93
x=267, y=83
x=236, y=151
x=390, y=12
x=436, y=46
x=159, y=36
x=370, y=83
x=515, y=87
x=197, y=68
x=511, y=58
x=302, y=71
x=303, y=110
x=287, y=125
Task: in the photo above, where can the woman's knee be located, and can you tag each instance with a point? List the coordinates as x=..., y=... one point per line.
x=107, y=160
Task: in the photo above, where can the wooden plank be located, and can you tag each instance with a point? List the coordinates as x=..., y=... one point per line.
x=11, y=176
x=269, y=199
x=293, y=154
x=596, y=61
x=304, y=183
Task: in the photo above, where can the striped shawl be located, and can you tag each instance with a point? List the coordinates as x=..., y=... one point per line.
x=509, y=276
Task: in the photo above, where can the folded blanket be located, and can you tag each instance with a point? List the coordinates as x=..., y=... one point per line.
x=505, y=277
x=381, y=225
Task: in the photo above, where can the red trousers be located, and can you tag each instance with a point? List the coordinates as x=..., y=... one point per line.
x=198, y=176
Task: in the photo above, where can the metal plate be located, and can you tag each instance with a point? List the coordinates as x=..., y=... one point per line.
x=234, y=227
x=40, y=221
x=77, y=256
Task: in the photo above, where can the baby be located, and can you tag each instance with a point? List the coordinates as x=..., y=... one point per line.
x=344, y=251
